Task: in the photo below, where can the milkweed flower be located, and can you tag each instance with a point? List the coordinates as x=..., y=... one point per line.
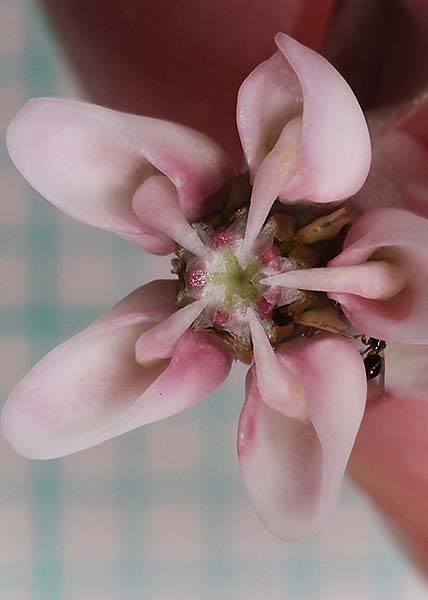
x=271, y=269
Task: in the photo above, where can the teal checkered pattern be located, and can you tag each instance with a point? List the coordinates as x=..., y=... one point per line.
x=161, y=513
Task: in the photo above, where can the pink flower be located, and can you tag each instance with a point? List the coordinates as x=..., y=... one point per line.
x=202, y=49
x=170, y=343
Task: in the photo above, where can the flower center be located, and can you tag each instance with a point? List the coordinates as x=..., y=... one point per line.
x=229, y=280
x=236, y=282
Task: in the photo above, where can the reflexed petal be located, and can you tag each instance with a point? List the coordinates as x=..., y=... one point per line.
x=334, y=147
x=293, y=469
x=200, y=363
x=89, y=160
x=401, y=237
x=91, y=388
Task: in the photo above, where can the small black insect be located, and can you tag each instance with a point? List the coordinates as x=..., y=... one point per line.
x=374, y=362
x=280, y=316
x=373, y=365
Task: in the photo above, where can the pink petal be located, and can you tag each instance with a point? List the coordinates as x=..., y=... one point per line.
x=184, y=61
x=279, y=388
x=268, y=98
x=402, y=236
x=334, y=147
x=159, y=341
x=389, y=462
x=150, y=303
x=279, y=165
x=293, y=469
x=150, y=241
x=91, y=388
x=335, y=151
x=89, y=160
x=158, y=191
x=376, y=279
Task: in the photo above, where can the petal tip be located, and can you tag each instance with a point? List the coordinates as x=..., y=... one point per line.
x=17, y=430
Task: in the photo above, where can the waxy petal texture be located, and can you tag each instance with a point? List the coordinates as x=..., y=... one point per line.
x=270, y=97
x=293, y=469
x=91, y=388
x=89, y=160
x=278, y=386
x=377, y=280
x=157, y=205
x=330, y=160
x=335, y=148
x=159, y=341
x=401, y=237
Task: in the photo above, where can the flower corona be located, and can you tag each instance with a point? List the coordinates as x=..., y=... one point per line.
x=228, y=280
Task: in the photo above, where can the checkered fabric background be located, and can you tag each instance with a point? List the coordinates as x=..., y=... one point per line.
x=161, y=512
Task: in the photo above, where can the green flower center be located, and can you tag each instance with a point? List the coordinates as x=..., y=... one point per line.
x=237, y=282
